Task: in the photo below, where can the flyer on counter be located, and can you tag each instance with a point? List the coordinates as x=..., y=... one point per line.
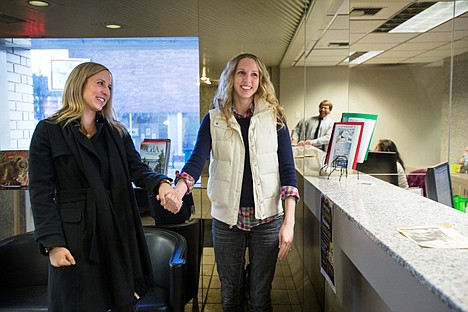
x=435, y=236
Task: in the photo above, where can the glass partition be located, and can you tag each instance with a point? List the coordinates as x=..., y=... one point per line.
x=414, y=82
x=409, y=82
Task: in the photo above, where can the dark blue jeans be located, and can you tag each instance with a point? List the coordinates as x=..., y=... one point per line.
x=229, y=247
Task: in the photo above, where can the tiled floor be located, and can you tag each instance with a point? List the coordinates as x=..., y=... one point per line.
x=283, y=292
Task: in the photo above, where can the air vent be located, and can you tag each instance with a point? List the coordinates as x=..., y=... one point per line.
x=364, y=11
x=7, y=19
x=403, y=16
x=338, y=44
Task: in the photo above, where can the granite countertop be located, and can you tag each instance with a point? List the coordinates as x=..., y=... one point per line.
x=379, y=208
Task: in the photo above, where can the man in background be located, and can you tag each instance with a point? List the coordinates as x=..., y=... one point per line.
x=316, y=130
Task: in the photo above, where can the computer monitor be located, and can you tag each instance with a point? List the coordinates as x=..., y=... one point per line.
x=439, y=184
x=381, y=165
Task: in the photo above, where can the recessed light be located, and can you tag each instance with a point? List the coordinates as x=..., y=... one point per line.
x=113, y=26
x=433, y=16
x=39, y=3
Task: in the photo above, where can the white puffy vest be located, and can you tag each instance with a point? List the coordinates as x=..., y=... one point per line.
x=227, y=165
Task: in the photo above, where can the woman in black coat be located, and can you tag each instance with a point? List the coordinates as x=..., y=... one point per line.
x=82, y=163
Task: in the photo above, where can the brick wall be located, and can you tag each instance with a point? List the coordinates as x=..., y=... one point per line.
x=20, y=96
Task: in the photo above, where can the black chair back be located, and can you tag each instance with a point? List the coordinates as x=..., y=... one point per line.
x=193, y=232
x=167, y=250
x=23, y=274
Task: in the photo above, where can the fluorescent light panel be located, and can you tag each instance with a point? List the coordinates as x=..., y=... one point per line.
x=364, y=57
x=433, y=16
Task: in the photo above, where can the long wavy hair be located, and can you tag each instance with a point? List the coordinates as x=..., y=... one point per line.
x=73, y=103
x=386, y=145
x=223, y=98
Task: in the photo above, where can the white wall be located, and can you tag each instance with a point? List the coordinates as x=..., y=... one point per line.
x=408, y=101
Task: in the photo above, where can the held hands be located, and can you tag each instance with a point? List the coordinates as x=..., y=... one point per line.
x=170, y=198
x=61, y=257
x=306, y=142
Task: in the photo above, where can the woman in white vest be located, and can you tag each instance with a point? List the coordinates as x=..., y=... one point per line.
x=251, y=178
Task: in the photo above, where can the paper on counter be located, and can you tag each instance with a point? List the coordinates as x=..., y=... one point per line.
x=435, y=236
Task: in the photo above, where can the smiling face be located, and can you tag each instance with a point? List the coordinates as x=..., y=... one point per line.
x=324, y=110
x=246, y=80
x=97, y=91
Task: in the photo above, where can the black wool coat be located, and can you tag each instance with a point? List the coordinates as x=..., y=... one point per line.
x=99, y=225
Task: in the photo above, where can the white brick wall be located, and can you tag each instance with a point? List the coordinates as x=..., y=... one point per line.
x=20, y=97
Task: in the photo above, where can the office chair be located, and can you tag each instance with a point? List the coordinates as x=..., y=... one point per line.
x=193, y=232
x=167, y=251
x=417, y=178
x=23, y=274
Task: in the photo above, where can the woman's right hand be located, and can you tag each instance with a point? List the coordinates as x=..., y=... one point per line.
x=60, y=257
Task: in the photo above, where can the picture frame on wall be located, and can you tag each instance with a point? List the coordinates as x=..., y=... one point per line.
x=14, y=166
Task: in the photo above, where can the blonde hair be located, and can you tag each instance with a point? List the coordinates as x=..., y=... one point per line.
x=73, y=102
x=223, y=98
x=327, y=103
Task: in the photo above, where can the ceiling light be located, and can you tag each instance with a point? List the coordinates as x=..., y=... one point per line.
x=39, y=3
x=431, y=17
x=113, y=26
x=363, y=57
x=404, y=15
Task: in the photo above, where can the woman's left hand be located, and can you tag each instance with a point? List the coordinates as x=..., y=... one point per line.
x=286, y=238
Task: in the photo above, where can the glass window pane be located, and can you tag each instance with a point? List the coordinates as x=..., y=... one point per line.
x=155, y=84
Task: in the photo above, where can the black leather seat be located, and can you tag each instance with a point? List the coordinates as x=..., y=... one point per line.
x=193, y=232
x=23, y=274
x=167, y=251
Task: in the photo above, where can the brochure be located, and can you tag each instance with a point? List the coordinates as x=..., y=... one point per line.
x=326, y=240
x=435, y=236
x=369, y=121
x=344, y=145
x=155, y=153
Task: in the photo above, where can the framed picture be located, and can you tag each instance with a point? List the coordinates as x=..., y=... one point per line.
x=344, y=145
x=155, y=153
x=61, y=69
x=14, y=166
x=369, y=121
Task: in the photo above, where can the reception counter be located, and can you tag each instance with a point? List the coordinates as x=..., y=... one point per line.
x=375, y=267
